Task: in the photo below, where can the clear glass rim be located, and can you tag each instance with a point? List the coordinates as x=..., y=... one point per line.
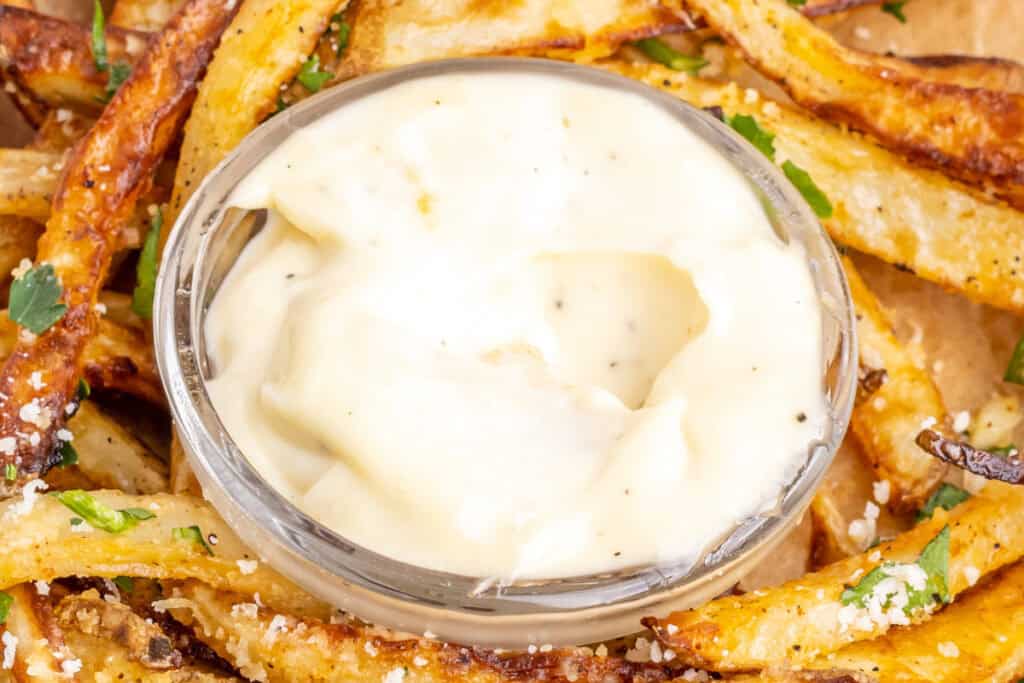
x=415, y=599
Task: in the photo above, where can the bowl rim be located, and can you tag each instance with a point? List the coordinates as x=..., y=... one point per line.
x=383, y=590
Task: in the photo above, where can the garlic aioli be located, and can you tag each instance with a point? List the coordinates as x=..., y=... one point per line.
x=516, y=326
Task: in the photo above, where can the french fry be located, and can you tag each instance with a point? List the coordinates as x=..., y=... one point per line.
x=913, y=217
x=278, y=648
x=143, y=15
x=980, y=637
x=799, y=621
x=41, y=543
x=39, y=639
x=832, y=540
x=887, y=421
x=50, y=60
x=18, y=237
x=27, y=181
x=969, y=133
x=104, y=660
x=109, y=457
x=117, y=359
x=108, y=171
x=991, y=73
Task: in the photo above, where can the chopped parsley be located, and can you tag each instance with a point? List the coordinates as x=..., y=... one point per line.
x=5, y=606
x=68, y=455
x=125, y=584
x=1015, y=369
x=933, y=562
x=117, y=73
x=84, y=390
x=341, y=34
x=191, y=534
x=145, y=271
x=947, y=497
x=797, y=3
x=811, y=192
x=310, y=75
x=33, y=299
x=663, y=53
x=756, y=135
x=896, y=10
x=100, y=515
x=10, y=471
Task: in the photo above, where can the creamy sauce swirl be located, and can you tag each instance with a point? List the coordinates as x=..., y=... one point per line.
x=516, y=326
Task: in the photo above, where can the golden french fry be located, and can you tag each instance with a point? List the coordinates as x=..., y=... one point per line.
x=40, y=647
x=969, y=133
x=109, y=170
x=28, y=179
x=143, y=15
x=832, y=540
x=18, y=237
x=108, y=457
x=889, y=417
x=991, y=73
x=883, y=206
x=799, y=621
x=51, y=62
x=40, y=542
x=278, y=648
x=980, y=637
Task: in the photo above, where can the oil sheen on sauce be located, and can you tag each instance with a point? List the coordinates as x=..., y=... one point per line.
x=516, y=326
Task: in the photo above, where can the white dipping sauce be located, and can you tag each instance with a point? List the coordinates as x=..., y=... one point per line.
x=516, y=326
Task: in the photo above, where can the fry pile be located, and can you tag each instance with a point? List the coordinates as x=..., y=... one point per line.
x=909, y=566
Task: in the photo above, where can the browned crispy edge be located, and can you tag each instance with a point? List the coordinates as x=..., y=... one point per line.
x=108, y=170
x=39, y=52
x=974, y=460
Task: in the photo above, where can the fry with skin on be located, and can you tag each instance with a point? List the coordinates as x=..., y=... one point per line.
x=882, y=205
x=969, y=133
x=888, y=419
x=108, y=171
x=799, y=621
x=43, y=544
x=50, y=60
x=985, y=627
x=41, y=647
x=310, y=650
x=990, y=73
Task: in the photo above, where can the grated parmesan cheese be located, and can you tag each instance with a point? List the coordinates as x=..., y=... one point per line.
x=29, y=496
x=10, y=642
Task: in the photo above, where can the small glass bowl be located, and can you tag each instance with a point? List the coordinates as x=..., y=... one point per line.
x=208, y=237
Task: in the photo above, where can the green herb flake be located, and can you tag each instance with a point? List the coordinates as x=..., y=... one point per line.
x=1015, y=369
x=341, y=34
x=661, y=52
x=125, y=584
x=99, y=38
x=33, y=299
x=191, y=534
x=100, y=515
x=75, y=521
x=5, y=606
x=933, y=560
x=310, y=75
x=10, y=471
x=797, y=3
x=146, y=269
x=896, y=10
x=119, y=73
x=811, y=192
x=756, y=135
x=68, y=455
x=84, y=390
x=947, y=497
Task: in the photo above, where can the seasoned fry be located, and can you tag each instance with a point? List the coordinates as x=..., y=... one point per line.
x=969, y=133
x=143, y=15
x=117, y=359
x=980, y=637
x=51, y=60
x=42, y=544
x=280, y=648
x=40, y=640
x=887, y=421
x=883, y=206
x=108, y=457
x=18, y=237
x=832, y=538
x=27, y=180
x=107, y=173
x=800, y=620
x=990, y=73
x=262, y=50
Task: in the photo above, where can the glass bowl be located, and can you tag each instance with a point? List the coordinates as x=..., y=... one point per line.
x=208, y=237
